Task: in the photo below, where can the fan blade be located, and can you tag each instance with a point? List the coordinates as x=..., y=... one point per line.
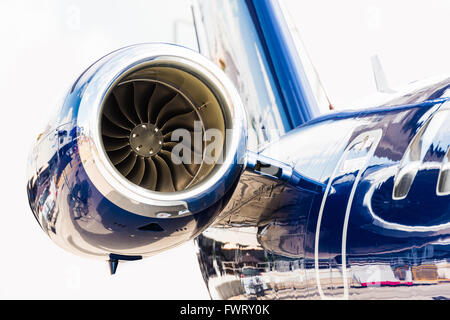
x=181, y=176
x=169, y=145
x=112, y=111
x=137, y=173
x=160, y=97
x=127, y=165
x=113, y=144
x=185, y=121
x=150, y=176
x=125, y=99
x=174, y=107
x=109, y=129
x=142, y=92
x=120, y=155
x=195, y=147
x=190, y=165
x=165, y=183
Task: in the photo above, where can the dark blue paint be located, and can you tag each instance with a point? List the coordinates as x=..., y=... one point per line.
x=422, y=206
x=286, y=229
x=287, y=226
x=288, y=71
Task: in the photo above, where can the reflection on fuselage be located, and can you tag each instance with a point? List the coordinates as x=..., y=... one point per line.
x=345, y=236
x=237, y=271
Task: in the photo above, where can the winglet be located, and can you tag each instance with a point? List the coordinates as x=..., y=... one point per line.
x=380, y=77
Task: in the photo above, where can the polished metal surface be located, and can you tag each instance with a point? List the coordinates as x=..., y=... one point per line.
x=86, y=204
x=349, y=205
x=127, y=62
x=340, y=234
x=430, y=90
x=230, y=39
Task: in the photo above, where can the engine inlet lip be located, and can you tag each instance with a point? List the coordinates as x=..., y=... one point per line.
x=98, y=82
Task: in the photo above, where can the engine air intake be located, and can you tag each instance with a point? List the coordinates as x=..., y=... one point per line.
x=139, y=118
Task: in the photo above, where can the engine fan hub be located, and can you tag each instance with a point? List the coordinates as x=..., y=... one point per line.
x=146, y=140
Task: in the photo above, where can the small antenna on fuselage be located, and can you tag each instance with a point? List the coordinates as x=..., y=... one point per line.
x=380, y=77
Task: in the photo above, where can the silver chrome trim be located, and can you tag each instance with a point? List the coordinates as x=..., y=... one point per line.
x=111, y=70
x=376, y=136
x=416, y=151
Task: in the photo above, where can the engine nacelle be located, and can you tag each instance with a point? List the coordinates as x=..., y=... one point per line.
x=144, y=153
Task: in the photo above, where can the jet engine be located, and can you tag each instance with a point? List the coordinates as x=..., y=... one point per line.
x=144, y=153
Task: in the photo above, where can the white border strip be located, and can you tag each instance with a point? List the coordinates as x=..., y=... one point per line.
x=376, y=135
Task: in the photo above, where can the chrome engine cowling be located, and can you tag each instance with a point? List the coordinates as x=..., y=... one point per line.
x=144, y=153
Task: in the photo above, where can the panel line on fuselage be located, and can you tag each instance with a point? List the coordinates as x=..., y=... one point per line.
x=375, y=135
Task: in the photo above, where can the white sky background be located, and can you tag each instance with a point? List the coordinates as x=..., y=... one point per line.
x=410, y=37
x=47, y=44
